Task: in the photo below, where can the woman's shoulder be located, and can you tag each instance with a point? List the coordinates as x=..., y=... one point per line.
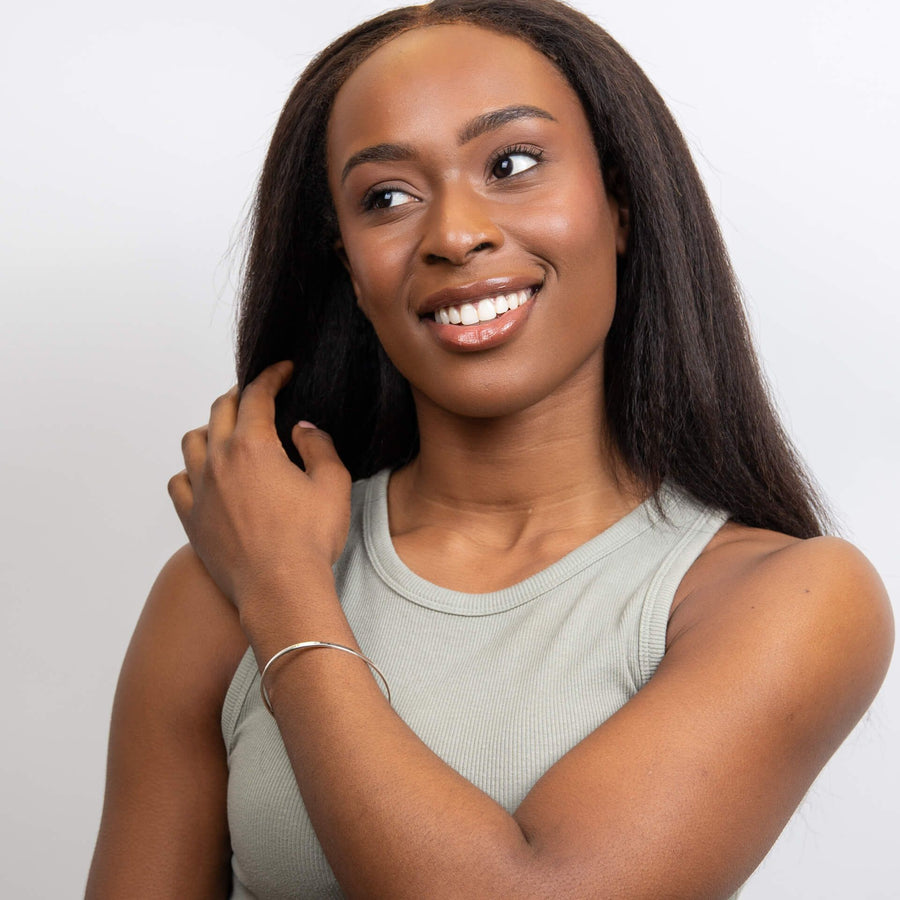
x=818, y=604
x=190, y=633
x=741, y=556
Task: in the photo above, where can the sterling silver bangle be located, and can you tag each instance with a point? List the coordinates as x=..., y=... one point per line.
x=312, y=645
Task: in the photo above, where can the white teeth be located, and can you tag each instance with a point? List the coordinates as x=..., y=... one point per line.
x=481, y=310
x=486, y=310
x=468, y=314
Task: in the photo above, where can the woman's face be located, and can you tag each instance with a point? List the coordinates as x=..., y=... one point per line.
x=467, y=186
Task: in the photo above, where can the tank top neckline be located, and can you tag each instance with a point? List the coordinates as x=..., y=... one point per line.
x=398, y=576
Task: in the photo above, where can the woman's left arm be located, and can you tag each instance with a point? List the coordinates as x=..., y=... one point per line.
x=679, y=794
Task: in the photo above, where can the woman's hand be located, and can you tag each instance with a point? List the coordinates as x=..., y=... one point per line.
x=254, y=518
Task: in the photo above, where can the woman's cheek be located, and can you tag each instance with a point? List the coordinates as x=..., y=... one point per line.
x=378, y=268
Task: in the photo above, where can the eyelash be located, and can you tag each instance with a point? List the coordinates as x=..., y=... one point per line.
x=368, y=200
x=515, y=150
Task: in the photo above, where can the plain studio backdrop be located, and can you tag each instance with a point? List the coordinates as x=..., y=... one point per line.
x=131, y=139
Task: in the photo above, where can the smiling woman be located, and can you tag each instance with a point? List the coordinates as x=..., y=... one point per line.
x=495, y=197
x=548, y=502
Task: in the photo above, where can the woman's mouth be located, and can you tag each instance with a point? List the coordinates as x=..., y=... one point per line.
x=483, y=322
x=483, y=310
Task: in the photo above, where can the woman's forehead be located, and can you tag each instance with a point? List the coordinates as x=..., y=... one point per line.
x=440, y=77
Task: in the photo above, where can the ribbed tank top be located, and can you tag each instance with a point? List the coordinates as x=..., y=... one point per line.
x=500, y=685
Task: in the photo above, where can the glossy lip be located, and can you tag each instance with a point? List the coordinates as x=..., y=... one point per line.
x=478, y=290
x=484, y=335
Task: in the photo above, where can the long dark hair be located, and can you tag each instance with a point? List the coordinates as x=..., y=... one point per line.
x=686, y=402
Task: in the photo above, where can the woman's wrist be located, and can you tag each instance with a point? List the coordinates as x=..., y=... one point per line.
x=277, y=611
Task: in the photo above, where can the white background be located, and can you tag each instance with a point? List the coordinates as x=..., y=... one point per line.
x=131, y=138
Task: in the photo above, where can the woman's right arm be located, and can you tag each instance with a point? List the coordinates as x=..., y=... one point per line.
x=164, y=831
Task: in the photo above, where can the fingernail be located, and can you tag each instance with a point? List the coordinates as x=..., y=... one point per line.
x=304, y=424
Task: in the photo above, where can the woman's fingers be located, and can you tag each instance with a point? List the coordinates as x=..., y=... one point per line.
x=194, y=446
x=256, y=412
x=330, y=481
x=223, y=416
x=254, y=408
x=319, y=456
x=194, y=449
x=182, y=496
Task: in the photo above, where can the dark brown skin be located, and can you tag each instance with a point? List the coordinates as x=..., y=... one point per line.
x=775, y=646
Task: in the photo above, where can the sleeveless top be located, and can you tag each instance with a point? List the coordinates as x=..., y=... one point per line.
x=499, y=685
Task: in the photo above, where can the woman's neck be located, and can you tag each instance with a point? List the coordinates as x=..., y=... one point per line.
x=549, y=468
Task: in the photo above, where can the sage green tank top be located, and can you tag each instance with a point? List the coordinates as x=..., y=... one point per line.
x=499, y=685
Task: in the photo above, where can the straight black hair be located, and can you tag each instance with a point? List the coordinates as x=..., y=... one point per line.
x=686, y=401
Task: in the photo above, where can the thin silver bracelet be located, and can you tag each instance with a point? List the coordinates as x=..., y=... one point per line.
x=311, y=645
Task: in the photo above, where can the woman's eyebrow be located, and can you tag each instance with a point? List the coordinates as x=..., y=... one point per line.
x=378, y=153
x=496, y=118
x=474, y=128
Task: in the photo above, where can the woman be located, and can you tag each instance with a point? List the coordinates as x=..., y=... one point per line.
x=578, y=548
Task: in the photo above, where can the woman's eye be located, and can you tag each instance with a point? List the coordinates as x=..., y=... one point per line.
x=512, y=164
x=387, y=198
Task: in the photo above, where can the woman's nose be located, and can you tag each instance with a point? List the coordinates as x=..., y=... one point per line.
x=458, y=225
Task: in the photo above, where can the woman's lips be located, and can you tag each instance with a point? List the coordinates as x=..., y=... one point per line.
x=482, y=335
x=475, y=291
